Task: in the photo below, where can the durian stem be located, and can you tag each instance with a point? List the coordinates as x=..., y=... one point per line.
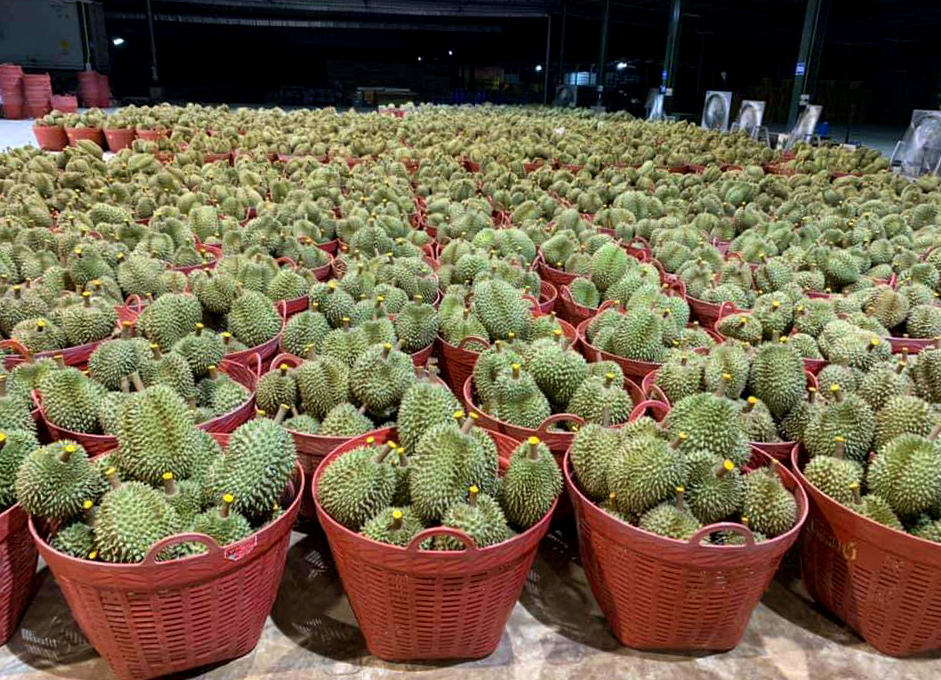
x=282, y=412
x=606, y=416
x=676, y=443
x=169, y=485
x=467, y=425
x=155, y=350
x=533, y=448
x=723, y=384
x=839, y=451
x=67, y=452
x=199, y=329
x=284, y=370
x=137, y=382
x=403, y=459
x=935, y=432
x=680, y=491
x=224, y=508
x=857, y=497
x=213, y=373
x=900, y=366
x=86, y=299
x=3, y=385
x=126, y=330
x=472, y=500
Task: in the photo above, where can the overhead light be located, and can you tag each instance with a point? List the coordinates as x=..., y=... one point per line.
x=419, y=59
x=118, y=41
x=538, y=68
x=450, y=53
x=621, y=65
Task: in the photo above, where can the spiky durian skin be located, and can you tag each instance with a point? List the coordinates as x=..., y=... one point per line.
x=592, y=449
x=275, y=389
x=253, y=319
x=355, y=487
x=758, y=423
x=303, y=423
x=187, y=500
x=15, y=413
x=227, y=394
x=446, y=464
x=50, y=488
x=518, y=400
x=223, y=530
x=424, y=405
x=70, y=400
x=380, y=377
x=903, y=414
x=851, y=419
x=201, y=351
x=112, y=361
x=557, y=371
x=345, y=420
x=777, y=377
x=731, y=359
x=47, y=339
x=878, y=510
x=594, y=394
x=130, y=519
x=502, y=309
x=880, y=383
x=17, y=444
x=644, y=472
x=381, y=527
x=670, y=521
x=306, y=328
x=255, y=468
x=416, y=325
x=76, y=540
x=930, y=531
x=833, y=476
x=530, y=485
x=680, y=377
x=173, y=370
x=169, y=318
x=906, y=472
x=490, y=364
x=286, y=285
x=483, y=522
x=155, y=435
x=345, y=345
x=711, y=424
x=770, y=508
x=709, y=497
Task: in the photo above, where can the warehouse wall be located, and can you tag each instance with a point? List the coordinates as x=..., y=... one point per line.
x=41, y=34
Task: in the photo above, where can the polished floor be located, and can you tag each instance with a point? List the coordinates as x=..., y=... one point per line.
x=555, y=632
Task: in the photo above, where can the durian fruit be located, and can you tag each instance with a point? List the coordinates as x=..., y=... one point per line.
x=531, y=484
x=770, y=507
x=302, y=423
x=711, y=423
x=757, y=421
x=645, y=471
x=54, y=481
x=185, y=497
x=117, y=359
x=275, y=388
x=253, y=319
x=155, y=435
x=15, y=408
x=358, y=485
x=447, y=460
x=345, y=344
x=847, y=416
x=592, y=449
x=322, y=384
x=480, y=517
x=256, y=466
x=394, y=525
x=874, y=507
x=501, y=308
x=930, y=531
x=680, y=376
x=906, y=472
x=730, y=359
x=84, y=322
x=424, y=405
x=595, y=395
x=777, y=377
x=39, y=335
x=220, y=392
x=130, y=519
x=903, y=414
x=345, y=420
x=70, y=400
x=884, y=380
x=201, y=349
x=557, y=370
x=416, y=325
x=714, y=492
x=493, y=361
x=309, y=327
x=78, y=538
x=334, y=302
x=222, y=524
x=671, y=519
x=381, y=376
x=517, y=399
x=834, y=475
x=169, y=318
x=15, y=446
x=172, y=370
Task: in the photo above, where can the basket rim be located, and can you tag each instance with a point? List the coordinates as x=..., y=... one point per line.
x=441, y=555
x=800, y=496
x=568, y=330
x=116, y=567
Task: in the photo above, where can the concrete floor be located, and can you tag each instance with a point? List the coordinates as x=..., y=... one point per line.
x=556, y=632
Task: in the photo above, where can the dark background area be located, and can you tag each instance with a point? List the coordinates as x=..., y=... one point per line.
x=879, y=58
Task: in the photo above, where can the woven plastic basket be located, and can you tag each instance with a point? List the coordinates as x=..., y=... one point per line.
x=91, y=134
x=119, y=138
x=50, y=137
x=18, y=558
x=74, y=356
x=556, y=277
x=415, y=604
x=153, y=619
x=634, y=370
x=884, y=584
x=662, y=594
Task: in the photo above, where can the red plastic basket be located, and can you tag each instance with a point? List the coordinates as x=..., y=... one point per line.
x=50, y=137
x=414, y=604
x=635, y=370
x=153, y=619
x=74, y=356
x=571, y=311
x=119, y=138
x=92, y=134
x=662, y=594
x=265, y=350
x=18, y=558
x=883, y=583
x=556, y=277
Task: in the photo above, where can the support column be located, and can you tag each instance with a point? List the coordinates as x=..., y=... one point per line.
x=668, y=77
x=153, y=44
x=603, y=47
x=808, y=56
x=545, y=68
x=562, y=49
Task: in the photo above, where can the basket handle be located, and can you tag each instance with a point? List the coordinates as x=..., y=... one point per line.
x=415, y=543
x=654, y=393
x=472, y=338
x=288, y=261
x=283, y=310
x=734, y=527
x=134, y=302
x=644, y=405
x=543, y=429
x=639, y=239
x=285, y=358
x=727, y=308
x=256, y=358
x=19, y=348
x=211, y=546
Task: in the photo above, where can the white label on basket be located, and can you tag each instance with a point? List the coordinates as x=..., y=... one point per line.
x=237, y=552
